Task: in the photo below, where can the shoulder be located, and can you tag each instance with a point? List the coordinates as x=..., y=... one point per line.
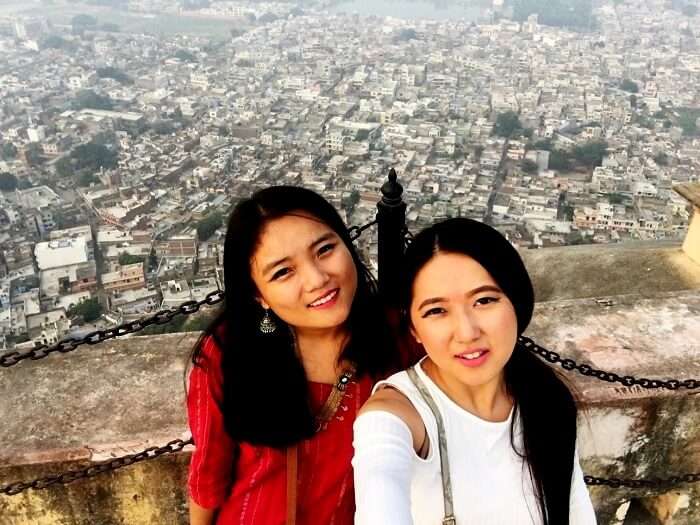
x=387, y=398
x=206, y=358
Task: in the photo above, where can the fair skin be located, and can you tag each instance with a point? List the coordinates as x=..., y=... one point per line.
x=468, y=328
x=305, y=274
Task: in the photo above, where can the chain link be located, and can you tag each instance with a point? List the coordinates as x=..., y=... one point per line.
x=407, y=236
x=163, y=317
x=93, y=470
x=651, y=483
x=609, y=377
x=93, y=338
x=356, y=231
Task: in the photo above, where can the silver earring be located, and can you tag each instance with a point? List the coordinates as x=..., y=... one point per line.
x=267, y=323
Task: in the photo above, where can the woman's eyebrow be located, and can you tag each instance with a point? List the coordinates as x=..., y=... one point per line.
x=432, y=300
x=484, y=288
x=268, y=267
x=322, y=238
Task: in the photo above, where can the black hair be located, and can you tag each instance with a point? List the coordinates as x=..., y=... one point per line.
x=265, y=390
x=543, y=402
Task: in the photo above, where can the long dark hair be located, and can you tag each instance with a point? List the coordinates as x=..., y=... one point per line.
x=265, y=391
x=544, y=404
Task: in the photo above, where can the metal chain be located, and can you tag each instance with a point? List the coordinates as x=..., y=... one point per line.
x=178, y=444
x=651, y=483
x=356, y=231
x=163, y=317
x=407, y=236
x=610, y=377
x=93, y=470
x=68, y=345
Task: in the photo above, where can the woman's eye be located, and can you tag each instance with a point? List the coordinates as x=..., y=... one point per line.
x=487, y=300
x=280, y=273
x=326, y=248
x=433, y=311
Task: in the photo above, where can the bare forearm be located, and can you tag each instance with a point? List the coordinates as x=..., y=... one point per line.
x=201, y=516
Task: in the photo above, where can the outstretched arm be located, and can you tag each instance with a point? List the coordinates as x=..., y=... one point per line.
x=581, y=512
x=383, y=464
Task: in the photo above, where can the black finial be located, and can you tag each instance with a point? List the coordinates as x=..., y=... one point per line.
x=391, y=189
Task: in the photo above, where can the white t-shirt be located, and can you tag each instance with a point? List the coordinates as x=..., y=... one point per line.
x=491, y=484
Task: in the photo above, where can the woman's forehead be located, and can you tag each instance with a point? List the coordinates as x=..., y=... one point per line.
x=287, y=235
x=449, y=274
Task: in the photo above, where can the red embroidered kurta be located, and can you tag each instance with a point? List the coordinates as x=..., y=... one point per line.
x=252, y=489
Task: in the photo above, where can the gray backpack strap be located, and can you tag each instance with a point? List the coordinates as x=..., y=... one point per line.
x=449, y=518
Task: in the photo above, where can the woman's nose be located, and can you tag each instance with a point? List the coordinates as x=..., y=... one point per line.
x=466, y=327
x=315, y=277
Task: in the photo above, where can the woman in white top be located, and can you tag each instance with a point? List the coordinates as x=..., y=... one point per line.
x=480, y=431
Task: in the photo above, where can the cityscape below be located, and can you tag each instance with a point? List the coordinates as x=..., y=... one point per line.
x=130, y=128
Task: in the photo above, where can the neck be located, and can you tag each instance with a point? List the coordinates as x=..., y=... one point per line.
x=320, y=351
x=489, y=401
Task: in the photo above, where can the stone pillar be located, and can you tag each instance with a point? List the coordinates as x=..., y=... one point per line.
x=391, y=221
x=691, y=245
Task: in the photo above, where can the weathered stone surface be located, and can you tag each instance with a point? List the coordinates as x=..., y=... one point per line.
x=576, y=272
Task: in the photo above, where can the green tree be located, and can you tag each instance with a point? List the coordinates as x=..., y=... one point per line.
x=406, y=35
x=208, y=225
x=543, y=144
x=110, y=28
x=559, y=160
x=9, y=151
x=616, y=198
x=558, y=13
x=349, y=202
x=688, y=122
x=163, y=127
x=506, y=124
x=185, y=56
x=114, y=73
x=83, y=21
x=93, y=157
x=661, y=159
x=85, y=179
x=55, y=42
x=127, y=258
x=528, y=166
x=629, y=85
x=63, y=167
x=89, y=310
x=8, y=182
x=267, y=18
x=87, y=98
x=34, y=154
x=591, y=154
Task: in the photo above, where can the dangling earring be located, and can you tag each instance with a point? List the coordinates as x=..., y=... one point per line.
x=267, y=323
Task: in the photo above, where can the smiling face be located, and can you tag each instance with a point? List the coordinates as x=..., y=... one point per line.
x=304, y=272
x=466, y=324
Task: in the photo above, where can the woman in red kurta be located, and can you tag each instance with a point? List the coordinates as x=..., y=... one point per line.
x=258, y=494
x=285, y=368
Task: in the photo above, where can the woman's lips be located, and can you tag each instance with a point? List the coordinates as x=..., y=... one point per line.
x=327, y=300
x=473, y=359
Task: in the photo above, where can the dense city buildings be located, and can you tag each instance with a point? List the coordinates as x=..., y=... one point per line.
x=122, y=152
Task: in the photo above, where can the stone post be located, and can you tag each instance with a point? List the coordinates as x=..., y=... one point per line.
x=391, y=221
x=691, y=192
